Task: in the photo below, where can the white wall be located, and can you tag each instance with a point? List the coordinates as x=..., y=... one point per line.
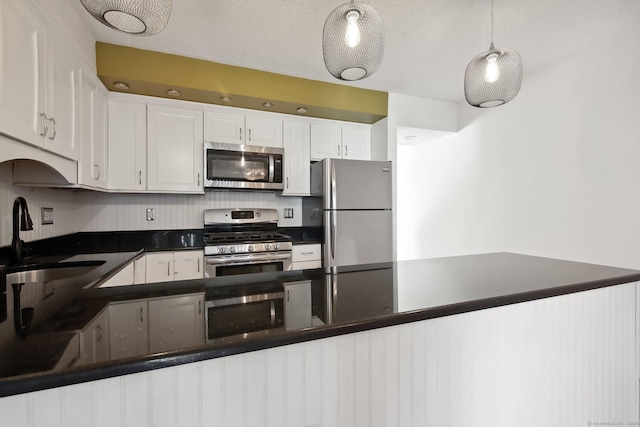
x=553, y=173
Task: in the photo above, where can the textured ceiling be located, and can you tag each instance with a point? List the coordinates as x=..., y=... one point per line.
x=428, y=43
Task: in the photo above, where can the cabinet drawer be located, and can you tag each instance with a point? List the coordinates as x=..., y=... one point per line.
x=309, y=252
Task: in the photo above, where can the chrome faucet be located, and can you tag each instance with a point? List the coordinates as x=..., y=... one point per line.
x=17, y=245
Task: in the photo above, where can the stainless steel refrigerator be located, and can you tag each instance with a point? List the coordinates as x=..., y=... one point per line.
x=351, y=200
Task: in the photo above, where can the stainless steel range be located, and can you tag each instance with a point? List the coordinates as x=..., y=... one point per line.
x=241, y=241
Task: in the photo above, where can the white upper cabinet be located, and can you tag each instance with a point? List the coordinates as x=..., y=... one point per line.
x=37, y=88
x=127, y=146
x=239, y=128
x=356, y=141
x=175, y=149
x=340, y=140
x=297, y=178
x=93, y=117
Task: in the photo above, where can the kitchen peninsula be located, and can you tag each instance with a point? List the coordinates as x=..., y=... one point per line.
x=462, y=315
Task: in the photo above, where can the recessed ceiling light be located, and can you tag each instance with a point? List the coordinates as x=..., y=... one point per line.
x=267, y=104
x=174, y=92
x=121, y=85
x=225, y=99
x=301, y=110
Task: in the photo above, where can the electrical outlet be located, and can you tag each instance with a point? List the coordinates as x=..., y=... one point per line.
x=48, y=289
x=151, y=214
x=47, y=216
x=287, y=213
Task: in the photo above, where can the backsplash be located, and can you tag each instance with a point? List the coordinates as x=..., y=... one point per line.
x=82, y=210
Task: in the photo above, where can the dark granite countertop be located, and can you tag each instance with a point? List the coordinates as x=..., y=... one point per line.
x=347, y=302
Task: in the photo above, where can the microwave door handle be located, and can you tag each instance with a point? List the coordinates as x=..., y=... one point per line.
x=271, y=168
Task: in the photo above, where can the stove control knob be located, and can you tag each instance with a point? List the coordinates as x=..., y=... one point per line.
x=221, y=250
x=250, y=248
x=232, y=250
x=267, y=247
x=275, y=247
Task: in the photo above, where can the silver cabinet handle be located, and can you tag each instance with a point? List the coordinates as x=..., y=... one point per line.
x=199, y=306
x=55, y=128
x=99, y=329
x=168, y=268
x=287, y=182
x=338, y=150
x=346, y=150
x=198, y=265
x=46, y=124
x=140, y=177
x=306, y=253
x=141, y=318
x=96, y=168
x=240, y=134
x=198, y=179
x=249, y=134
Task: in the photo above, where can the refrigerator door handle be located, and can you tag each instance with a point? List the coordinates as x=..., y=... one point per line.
x=334, y=225
x=333, y=195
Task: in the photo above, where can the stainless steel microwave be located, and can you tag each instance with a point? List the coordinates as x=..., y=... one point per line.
x=235, y=166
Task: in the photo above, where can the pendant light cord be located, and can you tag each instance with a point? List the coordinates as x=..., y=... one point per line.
x=492, y=23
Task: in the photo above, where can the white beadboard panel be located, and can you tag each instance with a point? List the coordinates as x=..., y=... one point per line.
x=17, y=411
x=60, y=200
x=117, y=212
x=563, y=361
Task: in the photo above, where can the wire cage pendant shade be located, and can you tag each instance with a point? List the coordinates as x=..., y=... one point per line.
x=493, y=77
x=353, y=41
x=139, y=17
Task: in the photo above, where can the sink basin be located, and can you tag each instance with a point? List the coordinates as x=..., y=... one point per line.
x=45, y=272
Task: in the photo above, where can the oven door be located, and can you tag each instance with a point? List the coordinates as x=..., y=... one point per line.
x=229, y=265
x=244, y=315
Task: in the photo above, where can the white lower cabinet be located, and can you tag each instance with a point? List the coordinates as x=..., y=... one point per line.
x=129, y=332
x=297, y=305
x=306, y=256
x=156, y=325
x=94, y=340
x=176, y=323
x=169, y=266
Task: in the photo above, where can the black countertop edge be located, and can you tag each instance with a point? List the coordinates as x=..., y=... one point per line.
x=149, y=240
x=39, y=381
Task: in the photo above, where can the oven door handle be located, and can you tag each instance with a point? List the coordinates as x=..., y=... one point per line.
x=255, y=258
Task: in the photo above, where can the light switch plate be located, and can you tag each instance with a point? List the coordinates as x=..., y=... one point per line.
x=47, y=216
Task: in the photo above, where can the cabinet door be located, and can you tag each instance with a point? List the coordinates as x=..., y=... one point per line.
x=326, y=141
x=296, y=159
x=356, y=141
x=175, y=149
x=224, y=127
x=159, y=267
x=188, y=265
x=263, y=131
x=93, y=131
x=94, y=340
x=127, y=146
x=297, y=305
x=176, y=323
x=129, y=329
x=61, y=100
x=22, y=73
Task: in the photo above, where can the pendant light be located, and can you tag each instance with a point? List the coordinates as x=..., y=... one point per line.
x=139, y=17
x=353, y=41
x=494, y=77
